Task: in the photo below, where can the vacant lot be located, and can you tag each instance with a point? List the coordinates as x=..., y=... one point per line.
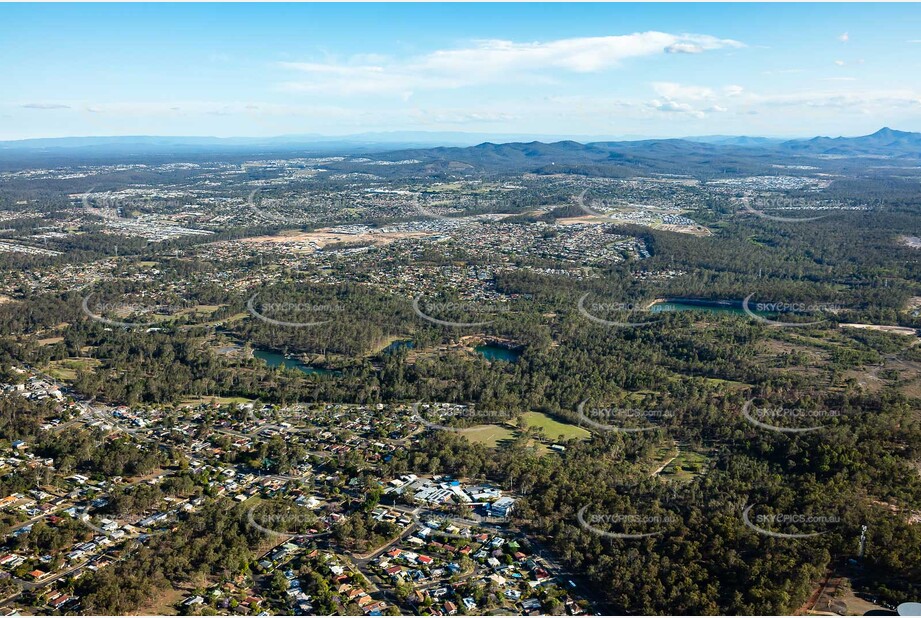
x=66, y=370
x=195, y=401
x=488, y=435
x=686, y=465
x=553, y=429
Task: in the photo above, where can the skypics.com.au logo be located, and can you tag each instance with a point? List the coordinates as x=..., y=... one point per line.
x=630, y=311
x=154, y=525
x=428, y=212
x=117, y=313
x=462, y=527
x=467, y=313
x=788, y=308
x=786, y=420
x=758, y=521
x=111, y=205
x=291, y=521
x=631, y=525
x=282, y=313
x=443, y=415
x=584, y=206
x=279, y=210
x=623, y=420
x=782, y=204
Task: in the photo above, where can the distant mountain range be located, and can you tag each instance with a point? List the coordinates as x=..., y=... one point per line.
x=718, y=154
x=885, y=142
x=386, y=140
x=736, y=140
x=457, y=151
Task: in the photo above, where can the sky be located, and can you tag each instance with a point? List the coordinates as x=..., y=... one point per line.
x=569, y=70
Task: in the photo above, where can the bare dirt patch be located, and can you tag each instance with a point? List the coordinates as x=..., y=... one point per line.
x=898, y=330
x=694, y=230
x=308, y=242
x=165, y=602
x=911, y=241
x=914, y=304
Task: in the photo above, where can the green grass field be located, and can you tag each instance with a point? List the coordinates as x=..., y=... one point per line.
x=194, y=401
x=66, y=370
x=200, y=310
x=492, y=436
x=488, y=435
x=553, y=429
x=686, y=466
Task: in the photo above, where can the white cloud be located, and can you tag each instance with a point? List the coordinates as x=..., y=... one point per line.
x=460, y=116
x=174, y=109
x=581, y=55
x=840, y=63
x=356, y=80
x=881, y=101
x=494, y=61
x=844, y=37
x=684, y=48
x=675, y=107
x=783, y=71
x=45, y=106
x=686, y=99
x=672, y=90
x=698, y=102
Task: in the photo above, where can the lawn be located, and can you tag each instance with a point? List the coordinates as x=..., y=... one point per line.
x=200, y=310
x=553, y=429
x=194, y=401
x=687, y=465
x=66, y=369
x=488, y=435
x=492, y=436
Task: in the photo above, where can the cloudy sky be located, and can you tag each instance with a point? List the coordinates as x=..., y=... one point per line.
x=595, y=70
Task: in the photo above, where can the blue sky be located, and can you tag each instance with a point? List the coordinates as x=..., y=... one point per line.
x=543, y=69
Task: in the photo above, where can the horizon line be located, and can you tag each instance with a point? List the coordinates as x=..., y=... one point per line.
x=518, y=137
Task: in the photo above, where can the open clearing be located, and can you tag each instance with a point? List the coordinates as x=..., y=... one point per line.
x=308, y=242
x=553, y=429
x=664, y=456
x=629, y=218
x=488, y=435
x=164, y=604
x=196, y=401
x=687, y=465
x=66, y=369
x=200, y=310
x=492, y=436
x=912, y=241
x=899, y=330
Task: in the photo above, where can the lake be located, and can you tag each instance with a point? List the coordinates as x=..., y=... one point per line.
x=708, y=306
x=274, y=359
x=398, y=345
x=493, y=352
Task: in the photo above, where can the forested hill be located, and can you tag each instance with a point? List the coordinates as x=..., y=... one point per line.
x=727, y=155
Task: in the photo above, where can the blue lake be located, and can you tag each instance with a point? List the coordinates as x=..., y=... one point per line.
x=398, y=345
x=492, y=352
x=274, y=359
x=707, y=306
